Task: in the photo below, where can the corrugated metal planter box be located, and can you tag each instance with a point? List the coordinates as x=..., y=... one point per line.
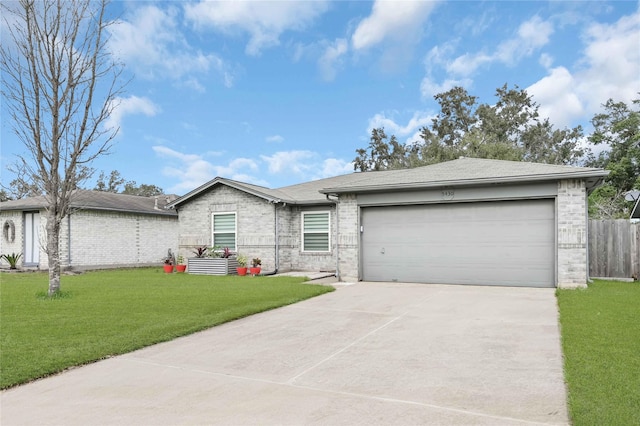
x=212, y=266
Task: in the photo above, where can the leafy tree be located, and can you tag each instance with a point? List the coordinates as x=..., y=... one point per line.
x=510, y=129
x=617, y=130
x=59, y=86
x=142, y=190
x=4, y=195
x=116, y=181
x=20, y=187
x=112, y=185
x=384, y=153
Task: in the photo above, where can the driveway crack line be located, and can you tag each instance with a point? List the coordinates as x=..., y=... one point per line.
x=338, y=352
x=344, y=393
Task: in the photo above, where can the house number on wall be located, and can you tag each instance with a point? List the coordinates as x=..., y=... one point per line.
x=447, y=194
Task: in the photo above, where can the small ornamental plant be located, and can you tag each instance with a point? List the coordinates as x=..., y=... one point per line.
x=200, y=252
x=12, y=259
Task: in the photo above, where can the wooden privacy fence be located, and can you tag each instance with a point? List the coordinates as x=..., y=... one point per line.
x=614, y=248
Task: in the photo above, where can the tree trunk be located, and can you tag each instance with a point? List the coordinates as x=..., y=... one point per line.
x=53, y=251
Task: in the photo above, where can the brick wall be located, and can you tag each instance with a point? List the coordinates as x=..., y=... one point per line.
x=307, y=261
x=103, y=239
x=113, y=238
x=255, y=223
x=348, y=238
x=6, y=245
x=255, y=229
x=572, y=233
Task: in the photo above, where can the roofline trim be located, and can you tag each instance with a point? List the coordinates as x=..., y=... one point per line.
x=222, y=181
x=458, y=182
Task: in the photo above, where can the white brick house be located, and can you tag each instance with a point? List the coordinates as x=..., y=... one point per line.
x=467, y=221
x=103, y=230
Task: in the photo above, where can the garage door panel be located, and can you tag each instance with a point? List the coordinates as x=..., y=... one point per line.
x=490, y=243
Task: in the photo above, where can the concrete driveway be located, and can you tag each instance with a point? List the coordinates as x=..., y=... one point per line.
x=368, y=353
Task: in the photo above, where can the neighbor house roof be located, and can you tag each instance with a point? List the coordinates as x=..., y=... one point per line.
x=99, y=200
x=464, y=171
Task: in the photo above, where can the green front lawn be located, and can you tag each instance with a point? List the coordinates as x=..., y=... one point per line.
x=601, y=343
x=106, y=313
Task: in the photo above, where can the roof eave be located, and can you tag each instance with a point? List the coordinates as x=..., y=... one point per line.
x=468, y=182
x=220, y=181
x=160, y=212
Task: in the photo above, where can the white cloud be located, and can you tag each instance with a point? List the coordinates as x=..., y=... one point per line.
x=192, y=170
x=331, y=58
x=334, y=167
x=609, y=68
x=546, y=60
x=275, y=139
x=438, y=57
x=531, y=36
x=399, y=21
x=130, y=106
x=468, y=63
x=289, y=162
x=263, y=21
x=406, y=133
x=307, y=165
x=557, y=98
x=429, y=88
x=611, y=62
x=189, y=171
x=150, y=40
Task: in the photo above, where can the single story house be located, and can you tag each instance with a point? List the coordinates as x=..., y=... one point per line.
x=467, y=221
x=103, y=230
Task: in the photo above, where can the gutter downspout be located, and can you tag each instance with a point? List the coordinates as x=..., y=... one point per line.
x=337, y=202
x=276, y=236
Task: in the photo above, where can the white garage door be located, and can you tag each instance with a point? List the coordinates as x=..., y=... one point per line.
x=508, y=243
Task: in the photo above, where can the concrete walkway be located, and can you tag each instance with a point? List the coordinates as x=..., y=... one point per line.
x=368, y=353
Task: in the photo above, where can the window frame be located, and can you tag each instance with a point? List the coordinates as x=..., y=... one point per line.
x=303, y=233
x=235, y=229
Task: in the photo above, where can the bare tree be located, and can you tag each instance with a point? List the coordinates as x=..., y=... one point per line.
x=59, y=85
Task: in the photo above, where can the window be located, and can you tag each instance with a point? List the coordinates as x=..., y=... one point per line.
x=315, y=231
x=224, y=230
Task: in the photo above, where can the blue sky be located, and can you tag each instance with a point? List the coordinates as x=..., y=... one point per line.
x=277, y=93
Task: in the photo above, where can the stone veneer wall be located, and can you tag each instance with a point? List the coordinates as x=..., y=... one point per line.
x=572, y=233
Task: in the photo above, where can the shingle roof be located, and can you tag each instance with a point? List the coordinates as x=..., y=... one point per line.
x=98, y=200
x=464, y=171
x=257, y=190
